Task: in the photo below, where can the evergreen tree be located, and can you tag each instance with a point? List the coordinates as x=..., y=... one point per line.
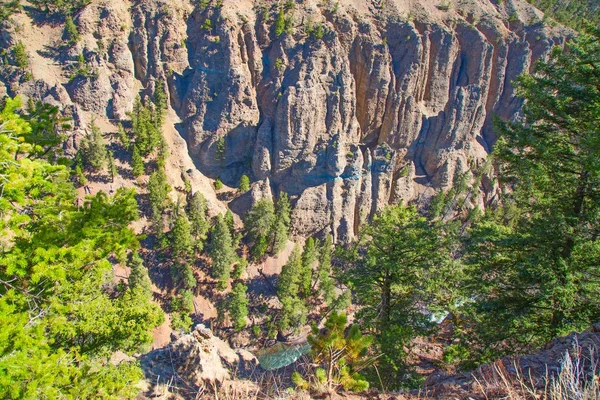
x=534, y=259
x=288, y=283
x=93, y=148
x=146, y=127
x=325, y=281
x=71, y=31
x=237, y=305
x=20, y=56
x=196, y=210
x=339, y=354
x=293, y=314
x=281, y=228
x=158, y=191
x=137, y=163
x=280, y=23
x=123, y=137
x=138, y=278
x=221, y=252
x=244, y=184
x=392, y=273
x=160, y=102
x=309, y=255
x=112, y=167
x=62, y=311
x=181, y=238
x=258, y=225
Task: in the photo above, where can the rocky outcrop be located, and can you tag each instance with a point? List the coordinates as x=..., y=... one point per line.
x=195, y=362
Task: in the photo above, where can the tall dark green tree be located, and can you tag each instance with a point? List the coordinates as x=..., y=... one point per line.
x=392, y=273
x=309, y=255
x=535, y=259
x=221, y=252
x=196, y=210
x=181, y=238
x=93, y=148
x=138, y=278
x=237, y=306
x=258, y=224
x=158, y=191
x=281, y=227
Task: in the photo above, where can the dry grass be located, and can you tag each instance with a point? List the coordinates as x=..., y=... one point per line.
x=578, y=379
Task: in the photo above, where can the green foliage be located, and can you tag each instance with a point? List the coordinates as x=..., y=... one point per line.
x=147, y=122
x=220, y=151
x=137, y=163
x=309, y=254
x=244, y=184
x=293, y=312
x=339, y=355
x=158, y=191
x=112, y=167
x=123, y=137
x=394, y=272
x=237, y=306
x=182, y=241
x=138, y=278
x=534, y=260
x=160, y=102
x=93, y=148
x=181, y=321
x=218, y=184
x=221, y=252
x=240, y=268
x=280, y=23
x=207, y=25
x=20, y=56
x=71, y=34
x=8, y=8
x=281, y=228
x=61, y=315
x=60, y=6
x=278, y=64
x=574, y=13
x=258, y=225
x=196, y=210
x=325, y=281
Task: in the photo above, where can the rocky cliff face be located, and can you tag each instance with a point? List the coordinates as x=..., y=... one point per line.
x=357, y=105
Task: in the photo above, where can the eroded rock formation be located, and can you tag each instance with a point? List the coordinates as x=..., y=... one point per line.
x=358, y=104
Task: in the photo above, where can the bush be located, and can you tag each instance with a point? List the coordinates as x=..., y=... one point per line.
x=244, y=184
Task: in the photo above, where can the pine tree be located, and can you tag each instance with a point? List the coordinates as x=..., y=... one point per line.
x=288, y=283
x=160, y=102
x=244, y=184
x=137, y=163
x=340, y=354
x=138, y=278
x=237, y=306
x=280, y=23
x=123, y=137
x=71, y=31
x=181, y=238
x=534, y=257
x=196, y=210
x=93, y=148
x=325, y=281
x=112, y=167
x=309, y=255
x=258, y=224
x=221, y=252
x=20, y=56
x=281, y=228
x=158, y=191
x=230, y=223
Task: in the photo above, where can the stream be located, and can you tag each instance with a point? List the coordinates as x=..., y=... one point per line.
x=281, y=355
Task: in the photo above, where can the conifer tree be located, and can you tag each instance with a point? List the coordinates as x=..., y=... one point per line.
x=237, y=306
x=258, y=224
x=137, y=163
x=309, y=255
x=244, y=184
x=325, y=281
x=288, y=283
x=181, y=238
x=158, y=191
x=20, y=56
x=160, y=102
x=281, y=227
x=196, y=210
x=221, y=252
x=112, y=167
x=123, y=137
x=93, y=148
x=138, y=278
x=280, y=23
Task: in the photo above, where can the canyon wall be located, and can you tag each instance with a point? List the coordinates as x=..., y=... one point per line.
x=358, y=104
